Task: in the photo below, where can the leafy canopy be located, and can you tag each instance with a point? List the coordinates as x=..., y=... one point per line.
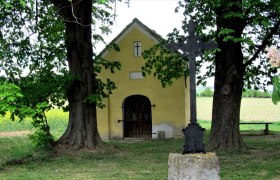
x=33, y=52
x=260, y=28
x=166, y=65
x=33, y=62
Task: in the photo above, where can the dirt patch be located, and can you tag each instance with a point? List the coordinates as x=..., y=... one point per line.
x=14, y=133
x=61, y=150
x=261, y=136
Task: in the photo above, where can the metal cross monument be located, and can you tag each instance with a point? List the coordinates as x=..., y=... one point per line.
x=191, y=47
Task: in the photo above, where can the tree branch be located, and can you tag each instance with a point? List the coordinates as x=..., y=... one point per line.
x=264, y=43
x=61, y=5
x=65, y=10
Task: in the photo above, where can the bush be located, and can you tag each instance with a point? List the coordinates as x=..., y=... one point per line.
x=42, y=139
x=256, y=94
x=207, y=92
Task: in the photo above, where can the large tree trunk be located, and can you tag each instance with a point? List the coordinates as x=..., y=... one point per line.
x=225, y=133
x=82, y=127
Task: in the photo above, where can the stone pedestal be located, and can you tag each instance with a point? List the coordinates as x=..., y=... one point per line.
x=193, y=167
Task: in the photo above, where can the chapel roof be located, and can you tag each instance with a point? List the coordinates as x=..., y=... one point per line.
x=153, y=33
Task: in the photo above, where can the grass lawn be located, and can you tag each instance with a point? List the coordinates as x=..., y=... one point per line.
x=142, y=159
x=133, y=160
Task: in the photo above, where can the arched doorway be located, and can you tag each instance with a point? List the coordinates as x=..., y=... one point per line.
x=137, y=117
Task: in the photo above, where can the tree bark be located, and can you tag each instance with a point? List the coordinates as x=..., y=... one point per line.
x=82, y=127
x=229, y=72
x=228, y=86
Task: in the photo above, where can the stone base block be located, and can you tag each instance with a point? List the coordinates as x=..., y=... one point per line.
x=193, y=167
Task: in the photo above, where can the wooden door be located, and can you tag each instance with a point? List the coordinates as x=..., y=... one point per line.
x=137, y=117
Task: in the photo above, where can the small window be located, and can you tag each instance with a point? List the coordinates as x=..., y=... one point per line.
x=136, y=75
x=137, y=48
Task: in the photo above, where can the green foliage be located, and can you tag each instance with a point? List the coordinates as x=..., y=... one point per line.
x=9, y=94
x=164, y=64
x=260, y=28
x=42, y=136
x=31, y=39
x=33, y=60
x=255, y=94
x=42, y=139
x=102, y=1
x=276, y=90
x=33, y=50
x=207, y=92
x=12, y=100
x=104, y=89
x=57, y=121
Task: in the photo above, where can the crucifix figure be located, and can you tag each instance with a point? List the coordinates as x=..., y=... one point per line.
x=191, y=47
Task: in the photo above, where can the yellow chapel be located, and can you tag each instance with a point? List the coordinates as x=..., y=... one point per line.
x=140, y=108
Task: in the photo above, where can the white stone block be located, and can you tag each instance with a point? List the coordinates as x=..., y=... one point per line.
x=163, y=127
x=193, y=167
